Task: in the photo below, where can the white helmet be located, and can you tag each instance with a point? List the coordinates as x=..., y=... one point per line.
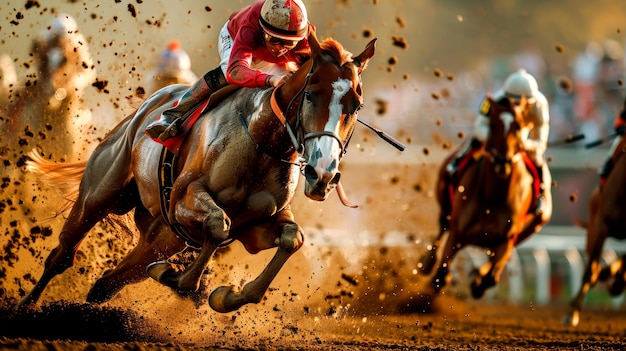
x=284, y=19
x=521, y=83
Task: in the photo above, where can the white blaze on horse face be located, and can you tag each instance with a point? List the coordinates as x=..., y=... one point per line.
x=507, y=118
x=327, y=149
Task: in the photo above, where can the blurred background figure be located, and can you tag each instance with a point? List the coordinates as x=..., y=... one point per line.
x=47, y=112
x=585, y=75
x=8, y=80
x=173, y=67
x=610, y=75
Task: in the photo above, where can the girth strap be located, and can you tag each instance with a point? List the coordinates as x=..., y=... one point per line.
x=167, y=174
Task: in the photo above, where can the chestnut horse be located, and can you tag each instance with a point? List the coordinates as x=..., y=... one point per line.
x=235, y=177
x=489, y=206
x=607, y=206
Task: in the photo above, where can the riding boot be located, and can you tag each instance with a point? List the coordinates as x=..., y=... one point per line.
x=453, y=166
x=169, y=124
x=607, y=167
x=541, y=198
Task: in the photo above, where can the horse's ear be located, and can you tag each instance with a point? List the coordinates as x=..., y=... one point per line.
x=363, y=58
x=314, y=43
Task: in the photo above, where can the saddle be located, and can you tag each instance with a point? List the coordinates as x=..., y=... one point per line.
x=474, y=156
x=174, y=143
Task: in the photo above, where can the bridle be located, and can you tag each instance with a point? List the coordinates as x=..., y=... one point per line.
x=298, y=139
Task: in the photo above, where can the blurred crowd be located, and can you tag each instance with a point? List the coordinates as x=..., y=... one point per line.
x=585, y=94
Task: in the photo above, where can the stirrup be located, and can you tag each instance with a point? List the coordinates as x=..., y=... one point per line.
x=170, y=131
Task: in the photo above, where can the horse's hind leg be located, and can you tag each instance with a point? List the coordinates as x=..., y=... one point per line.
x=105, y=188
x=75, y=228
x=157, y=242
x=429, y=258
x=590, y=277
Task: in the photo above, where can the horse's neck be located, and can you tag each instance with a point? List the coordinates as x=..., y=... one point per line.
x=493, y=186
x=266, y=129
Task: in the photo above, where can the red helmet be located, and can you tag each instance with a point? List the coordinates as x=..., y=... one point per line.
x=284, y=19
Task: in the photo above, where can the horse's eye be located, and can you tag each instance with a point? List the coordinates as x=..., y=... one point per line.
x=308, y=95
x=358, y=108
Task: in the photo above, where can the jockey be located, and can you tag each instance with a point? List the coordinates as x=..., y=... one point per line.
x=173, y=67
x=620, y=128
x=517, y=84
x=266, y=36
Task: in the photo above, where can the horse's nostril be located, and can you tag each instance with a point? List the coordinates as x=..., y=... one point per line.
x=309, y=173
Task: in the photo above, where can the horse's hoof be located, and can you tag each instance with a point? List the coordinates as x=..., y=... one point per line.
x=617, y=287
x=162, y=272
x=477, y=290
x=217, y=299
x=572, y=319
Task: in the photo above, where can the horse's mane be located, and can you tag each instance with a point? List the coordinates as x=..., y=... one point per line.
x=336, y=50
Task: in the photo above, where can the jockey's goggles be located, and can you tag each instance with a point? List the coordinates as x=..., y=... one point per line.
x=287, y=44
x=517, y=98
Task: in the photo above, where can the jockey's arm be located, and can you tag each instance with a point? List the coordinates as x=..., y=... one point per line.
x=537, y=140
x=239, y=73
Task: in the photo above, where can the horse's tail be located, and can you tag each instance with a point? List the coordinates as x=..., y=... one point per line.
x=64, y=177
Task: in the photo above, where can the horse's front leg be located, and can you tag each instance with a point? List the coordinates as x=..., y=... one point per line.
x=290, y=239
x=429, y=258
x=199, y=213
x=489, y=275
x=451, y=247
x=590, y=276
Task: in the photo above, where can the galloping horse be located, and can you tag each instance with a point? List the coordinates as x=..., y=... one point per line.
x=235, y=176
x=607, y=206
x=50, y=113
x=489, y=206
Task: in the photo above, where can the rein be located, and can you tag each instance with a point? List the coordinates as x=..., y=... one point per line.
x=299, y=145
x=498, y=160
x=296, y=140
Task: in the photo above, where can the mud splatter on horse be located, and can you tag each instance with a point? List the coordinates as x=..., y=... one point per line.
x=489, y=205
x=233, y=178
x=607, y=207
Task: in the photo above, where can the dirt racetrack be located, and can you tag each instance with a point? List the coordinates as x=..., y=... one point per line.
x=457, y=325
x=333, y=295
